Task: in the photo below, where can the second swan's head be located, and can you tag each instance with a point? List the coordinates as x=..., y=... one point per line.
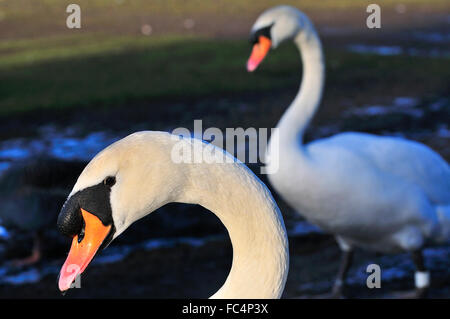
x=121, y=184
x=273, y=27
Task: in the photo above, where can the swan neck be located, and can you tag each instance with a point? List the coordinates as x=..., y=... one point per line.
x=255, y=226
x=299, y=114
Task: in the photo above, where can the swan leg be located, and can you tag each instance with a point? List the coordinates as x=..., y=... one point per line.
x=422, y=280
x=421, y=276
x=35, y=253
x=346, y=262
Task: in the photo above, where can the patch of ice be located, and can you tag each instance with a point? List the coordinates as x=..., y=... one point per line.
x=303, y=228
x=443, y=131
x=374, y=110
x=171, y=242
x=433, y=37
x=406, y=101
x=61, y=145
x=15, y=153
x=371, y=110
x=405, y=105
x=4, y=166
x=384, y=50
x=438, y=105
x=80, y=148
x=158, y=243
x=4, y=234
x=3, y=270
x=375, y=49
x=194, y=242
x=30, y=276
x=437, y=252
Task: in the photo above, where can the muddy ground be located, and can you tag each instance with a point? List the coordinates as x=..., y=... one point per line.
x=197, y=270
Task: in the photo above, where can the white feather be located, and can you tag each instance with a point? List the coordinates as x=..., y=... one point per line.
x=382, y=193
x=147, y=177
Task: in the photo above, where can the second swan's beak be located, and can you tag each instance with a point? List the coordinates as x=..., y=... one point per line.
x=259, y=52
x=83, y=249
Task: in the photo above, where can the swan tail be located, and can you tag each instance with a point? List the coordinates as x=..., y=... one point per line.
x=443, y=213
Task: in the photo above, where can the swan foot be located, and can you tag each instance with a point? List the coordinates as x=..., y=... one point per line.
x=418, y=293
x=34, y=258
x=338, y=288
x=24, y=262
x=421, y=277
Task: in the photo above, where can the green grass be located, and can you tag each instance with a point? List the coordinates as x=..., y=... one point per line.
x=58, y=73
x=95, y=70
x=43, y=65
x=32, y=51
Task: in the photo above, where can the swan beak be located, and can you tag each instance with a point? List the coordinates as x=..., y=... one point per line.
x=259, y=52
x=83, y=251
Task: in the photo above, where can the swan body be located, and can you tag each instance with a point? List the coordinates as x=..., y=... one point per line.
x=385, y=194
x=386, y=204
x=138, y=174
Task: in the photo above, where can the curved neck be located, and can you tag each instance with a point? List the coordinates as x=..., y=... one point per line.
x=254, y=223
x=156, y=168
x=297, y=117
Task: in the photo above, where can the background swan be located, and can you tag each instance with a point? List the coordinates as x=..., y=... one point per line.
x=384, y=194
x=136, y=175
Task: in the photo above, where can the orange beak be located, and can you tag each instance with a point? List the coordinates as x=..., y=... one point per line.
x=81, y=253
x=259, y=52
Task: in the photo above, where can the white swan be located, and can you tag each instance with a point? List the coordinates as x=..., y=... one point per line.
x=140, y=173
x=384, y=194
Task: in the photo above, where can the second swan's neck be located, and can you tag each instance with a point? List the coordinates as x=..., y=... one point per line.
x=297, y=117
x=254, y=223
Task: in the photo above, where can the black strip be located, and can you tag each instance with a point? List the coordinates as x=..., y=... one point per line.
x=173, y=308
x=95, y=200
x=254, y=37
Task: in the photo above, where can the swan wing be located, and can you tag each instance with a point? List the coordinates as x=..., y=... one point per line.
x=409, y=160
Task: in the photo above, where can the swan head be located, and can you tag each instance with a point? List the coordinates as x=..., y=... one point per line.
x=123, y=183
x=273, y=27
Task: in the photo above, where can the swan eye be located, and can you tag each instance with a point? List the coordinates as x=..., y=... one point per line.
x=109, y=181
x=265, y=32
